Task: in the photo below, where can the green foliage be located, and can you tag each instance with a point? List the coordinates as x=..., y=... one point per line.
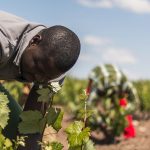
x=72, y=87
x=81, y=113
x=83, y=95
x=44, y=95
x=47, y=93
x=110, y=118
x=69, y=95
x=31, y=122
x=54, y=118
x=143, y=89
x=56, y=146
x=77, y=134
x=52, y=115
x=20, y=141
x=15, y=89
x=51, y=145
x=116, y=120
x=89, y=145
x=34, y=121
x=7, y=144
x=109, y=112
x=4, y=110
x=57, y=125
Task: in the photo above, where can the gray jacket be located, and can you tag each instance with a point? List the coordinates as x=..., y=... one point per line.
x=15, y=34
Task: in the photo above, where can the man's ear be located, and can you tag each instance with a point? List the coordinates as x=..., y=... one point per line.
x=36, y=40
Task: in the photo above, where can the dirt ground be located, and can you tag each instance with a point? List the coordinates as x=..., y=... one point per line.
x=140, y=142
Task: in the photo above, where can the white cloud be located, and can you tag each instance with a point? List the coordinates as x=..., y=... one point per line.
x=119, y=56
x=96, y=3
x=96, y=41
x=85, y=58
x=102, y=50
x=88, y=58
x=136, y=6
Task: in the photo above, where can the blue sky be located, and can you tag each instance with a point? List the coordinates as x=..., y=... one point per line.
x=111, y=31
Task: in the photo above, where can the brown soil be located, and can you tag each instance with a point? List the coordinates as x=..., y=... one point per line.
x=140, y=142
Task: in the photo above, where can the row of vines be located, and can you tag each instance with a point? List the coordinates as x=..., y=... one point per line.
x=72, y=87
x=73, y=97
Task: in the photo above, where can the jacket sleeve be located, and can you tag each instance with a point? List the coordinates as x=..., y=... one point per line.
x=6, y=48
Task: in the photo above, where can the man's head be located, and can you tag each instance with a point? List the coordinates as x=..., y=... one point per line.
x=50, y=53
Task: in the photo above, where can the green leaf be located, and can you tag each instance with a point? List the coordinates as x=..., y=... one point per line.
x=29, y=127
x=84, y=135
x=31, y=115
x=76, y=134
x=30, y=122
x=75, y=127
x=45, y=95
x=42, y=124
x=54, y=118
x=43, y=91
x=81, y=113
x=83, y=95
x=57, y=125
x=4, y=110
x=52, y=115
x=2, y=140
x=19, y=141
x=8, y=143
x=89, y=145
x=75, y=148
x=77, y=139
x=56, y=146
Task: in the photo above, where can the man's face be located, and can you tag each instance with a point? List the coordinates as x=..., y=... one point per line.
x=36, y=68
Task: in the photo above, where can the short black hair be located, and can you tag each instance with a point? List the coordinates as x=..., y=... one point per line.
x=62, y=45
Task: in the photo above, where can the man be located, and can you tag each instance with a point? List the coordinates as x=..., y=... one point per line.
x=108, y=85
x=31, y=52
x=34, y=53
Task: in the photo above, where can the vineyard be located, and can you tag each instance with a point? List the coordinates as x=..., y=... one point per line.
x=71, y=123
